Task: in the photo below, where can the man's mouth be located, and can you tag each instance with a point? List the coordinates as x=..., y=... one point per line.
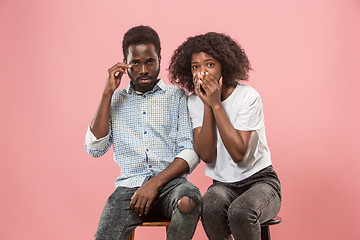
x=144, y=79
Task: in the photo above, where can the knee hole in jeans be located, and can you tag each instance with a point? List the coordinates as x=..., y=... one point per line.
x=186, y=204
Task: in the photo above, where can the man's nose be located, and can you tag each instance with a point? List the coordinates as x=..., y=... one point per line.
x=143, y=69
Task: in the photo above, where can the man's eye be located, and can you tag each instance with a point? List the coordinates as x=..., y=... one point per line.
x=134, y=63
x=151, y=62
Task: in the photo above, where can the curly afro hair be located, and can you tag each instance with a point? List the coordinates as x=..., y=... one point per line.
x=234, y=62
x=141, y=35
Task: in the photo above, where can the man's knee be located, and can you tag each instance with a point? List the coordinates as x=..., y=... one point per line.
x=186, y=204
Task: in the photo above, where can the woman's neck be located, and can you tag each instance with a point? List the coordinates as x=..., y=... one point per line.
x=226, y=91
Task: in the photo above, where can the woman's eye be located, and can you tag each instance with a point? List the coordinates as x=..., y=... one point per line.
x=195, y=67
x=211, y=64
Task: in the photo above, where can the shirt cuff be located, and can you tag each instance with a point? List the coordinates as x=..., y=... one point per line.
x=93, y=143
x=190, y=156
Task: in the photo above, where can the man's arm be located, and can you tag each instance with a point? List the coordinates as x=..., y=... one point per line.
x=100, y=124
x=145, y=195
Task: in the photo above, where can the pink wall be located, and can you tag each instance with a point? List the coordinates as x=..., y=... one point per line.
x=54, y=57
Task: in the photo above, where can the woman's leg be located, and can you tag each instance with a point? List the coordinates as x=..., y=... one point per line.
x=214, y=217
x=259, y=203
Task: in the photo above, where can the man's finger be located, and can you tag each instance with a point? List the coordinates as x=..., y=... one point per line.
x=133, y=201
x=141, y=209
x=147, y=208
x=124, y=65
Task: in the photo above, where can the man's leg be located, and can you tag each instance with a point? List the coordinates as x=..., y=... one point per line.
x=117, y=221
x=180, y=200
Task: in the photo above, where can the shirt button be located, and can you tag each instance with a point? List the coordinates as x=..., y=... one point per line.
x=150, y=166
x=147, y=150
x=145, y=132
x=144, y=96
x=144, y=112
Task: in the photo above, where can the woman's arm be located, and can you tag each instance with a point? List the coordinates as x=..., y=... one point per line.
x=205, y=137
x=236, y=142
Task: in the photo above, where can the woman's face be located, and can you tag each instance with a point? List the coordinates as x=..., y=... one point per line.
x=204, y=63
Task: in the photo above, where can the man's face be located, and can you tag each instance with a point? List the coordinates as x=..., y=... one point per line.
x=145, y=66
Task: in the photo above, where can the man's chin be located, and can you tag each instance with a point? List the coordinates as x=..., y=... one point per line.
x=143, y=85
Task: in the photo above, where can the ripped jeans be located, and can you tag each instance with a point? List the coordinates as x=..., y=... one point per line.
x=117, y=221
x=239, y=208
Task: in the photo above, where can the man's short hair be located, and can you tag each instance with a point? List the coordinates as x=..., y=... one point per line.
x=141, y=35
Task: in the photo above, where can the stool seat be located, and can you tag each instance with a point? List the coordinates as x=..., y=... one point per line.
x=274, y=221
x=156, y=224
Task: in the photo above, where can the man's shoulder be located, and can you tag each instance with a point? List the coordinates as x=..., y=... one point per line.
x=120, y=93
x=174, y=90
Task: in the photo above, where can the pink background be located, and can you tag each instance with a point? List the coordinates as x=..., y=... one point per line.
x=54, y=57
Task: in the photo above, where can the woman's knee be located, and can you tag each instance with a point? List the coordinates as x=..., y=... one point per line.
x=242, y=215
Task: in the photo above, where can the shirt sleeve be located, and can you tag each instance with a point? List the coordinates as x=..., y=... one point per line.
x=97, y=147
x=250, y=115
x=185, y=135
x=196, y=109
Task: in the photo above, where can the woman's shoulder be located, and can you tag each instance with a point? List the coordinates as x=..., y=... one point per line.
x=194, y=101
x=193, y=97
x=246, y=91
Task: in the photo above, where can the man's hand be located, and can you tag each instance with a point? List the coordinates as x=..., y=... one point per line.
x=114, y=76
x=143, y=197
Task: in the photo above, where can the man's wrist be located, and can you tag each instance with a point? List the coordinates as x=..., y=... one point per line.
x=108, y=93
x=155, y=182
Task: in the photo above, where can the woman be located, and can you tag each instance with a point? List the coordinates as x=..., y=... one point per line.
x=229, y=136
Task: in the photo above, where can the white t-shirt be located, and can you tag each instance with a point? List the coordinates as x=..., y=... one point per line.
x=245, y=111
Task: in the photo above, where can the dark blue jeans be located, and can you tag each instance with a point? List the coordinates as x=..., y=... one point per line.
x=239, y=208
x=117, y=221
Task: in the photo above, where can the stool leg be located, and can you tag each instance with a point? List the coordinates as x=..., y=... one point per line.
x=265, y=233
x=132, y=236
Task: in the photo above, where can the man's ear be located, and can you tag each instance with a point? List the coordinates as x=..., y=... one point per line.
x=124, y=60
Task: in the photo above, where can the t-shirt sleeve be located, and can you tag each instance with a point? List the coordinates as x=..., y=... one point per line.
x=250, y=115
x=196, y=109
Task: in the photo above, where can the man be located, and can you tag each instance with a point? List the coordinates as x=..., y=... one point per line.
x=148, y=124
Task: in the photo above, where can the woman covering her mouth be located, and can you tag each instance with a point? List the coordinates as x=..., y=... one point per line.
x=229, y=136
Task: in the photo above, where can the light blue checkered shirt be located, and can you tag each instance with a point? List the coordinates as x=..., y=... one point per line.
x=148, y=131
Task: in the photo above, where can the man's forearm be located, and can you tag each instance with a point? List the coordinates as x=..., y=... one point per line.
x=176, y=169
x=100, y=124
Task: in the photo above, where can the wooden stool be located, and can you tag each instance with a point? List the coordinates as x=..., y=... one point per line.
x=164, y=223
x=265, y=227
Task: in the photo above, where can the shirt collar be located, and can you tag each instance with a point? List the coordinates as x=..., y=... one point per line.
x=159, y=86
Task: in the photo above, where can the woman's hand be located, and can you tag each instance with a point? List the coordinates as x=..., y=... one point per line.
x=207, y=88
